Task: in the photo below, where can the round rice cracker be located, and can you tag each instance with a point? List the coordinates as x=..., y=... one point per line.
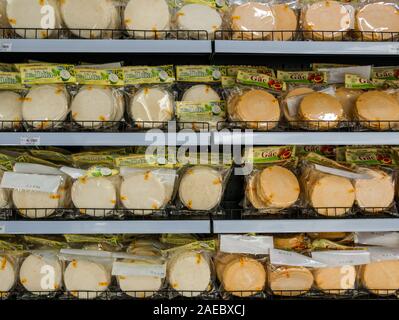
x=348, y=97
x=201, y=188
x=332, y=195
x=388, y=109
x=8, y=275
x=337, y=25
x=143, y=191
x=26, y=202
x=10, y=110
x=86, y=279
x=189, y=273
x=33, y=279
x=335, y=280
x=26, y=14
x=251, y=192
x=290, y=281
x=253, y=16
x=381, y=278
x=259, y=106
x=151, y=104
x=323, y=110
x=94, y=105
x=198, y=17
x=221, y=261
x=91, y=15
x=278, y=187
x=151, y=15
x=377, y=193
x=301, y=91
x=374, y=18
x=89, y=194
x=200, y=94
x=244, y=277
x=45, y=103
x=286, y=20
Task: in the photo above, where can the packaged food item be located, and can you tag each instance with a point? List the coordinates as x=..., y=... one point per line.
x=326, y=151
x=209, y=175
x=382, y=239
x=10, y=101
x=10, y=259
x=151, y=96
x=339, y=22
x=202, y=106
x=6, y=164
x=46, y=104
x=376, y=193
x=289, y=273
x=348, y=98
x=3, y=16
x=251, y=103
x=334, y=236
x=252, y=20
x=26, y=17
x=380, y=277
x=99, y=101
x=148, y=17
x=199, y=15
x=286, y=21
x=272, y=185
x=377, y=20
x=340, y=272
x=147, y=187
x=328, y=185
x=296, y=242
x=91, y=19
x=240, y=264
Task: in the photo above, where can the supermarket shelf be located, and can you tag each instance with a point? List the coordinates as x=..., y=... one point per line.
x=105, y=227
x=103, y=139
x=105, y=46
x=305, y=225
x=306, y=138
x=306, y=47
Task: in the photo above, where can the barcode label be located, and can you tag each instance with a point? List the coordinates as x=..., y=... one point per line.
x=30, y=141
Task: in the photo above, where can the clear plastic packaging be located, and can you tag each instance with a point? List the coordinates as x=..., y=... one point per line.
x=287, y=20
x=10, y=260
x=10, y=101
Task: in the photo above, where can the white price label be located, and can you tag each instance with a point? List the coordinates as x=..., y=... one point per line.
x=2, y=229
x=5, y=46
x=30, y=141
x=394, y=49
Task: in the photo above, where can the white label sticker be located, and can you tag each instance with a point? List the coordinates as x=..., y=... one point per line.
x=394, y=49
x=385, y=239
x=30, y=141
x=341, y=258
x=34, y=168
x=342, y=173
x=5, y=47
x=138, y=269
x=31, y=182
x=289, y=258
x=383, y=254
x=2, y=228
x=337, y=75
x=246, y=244
x=73, y=172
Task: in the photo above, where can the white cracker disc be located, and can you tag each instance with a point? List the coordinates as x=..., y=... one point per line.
x=200, y=94
x=8, y=274
x=45, y=202
x=335, y=280
x=10, y=109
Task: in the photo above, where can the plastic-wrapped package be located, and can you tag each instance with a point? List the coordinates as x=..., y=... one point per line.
x=339, y=22
x=201, y=106
x=348, y=98
x=10, y=101
x=289, y=273
x=94, y=191
x=99, y=101
x=28, y=18
x=146, y=188
x=3, y=16
x=37, y=190
x=340, y=272
x=10, y=259
x=286, y=21
x=272, y=186
x=240, y=264
x=92, y=18
x=377, y=20
x=381, y=276
x=46, y=104
x=251, y=103
x=328, y=186
x=151, y=96
x=197, y=16
x=148, y=16
x=253, y=20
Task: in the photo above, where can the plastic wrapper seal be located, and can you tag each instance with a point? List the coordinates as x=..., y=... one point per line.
x=151, y=97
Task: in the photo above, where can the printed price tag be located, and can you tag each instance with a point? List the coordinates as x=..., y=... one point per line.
x=2, y=229
x=5, y=46
x=30, y=141
x=394, y=49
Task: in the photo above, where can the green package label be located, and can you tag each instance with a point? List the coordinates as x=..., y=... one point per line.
x=47, y=74
x=143, y=161
x=53, y=156
x=100, y=171
x=390, y=73
x=317, y=66
x=200, y=73
x=353, y=81
x=261, y=80
x=103, y=77
x=302, y=76
x=10, y=81
x=92, y=159
x=233, y=70
x=263, y=155
x=191, y=111
x=370, y=156
x=228, y=81
x=324, y=161
x=148, y=75
x=327, y=151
